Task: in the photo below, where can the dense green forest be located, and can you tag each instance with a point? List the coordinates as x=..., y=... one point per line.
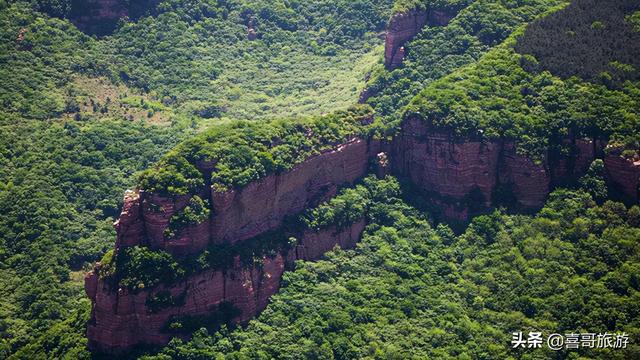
x=69, y=146
x=81, y=115
x=245, y=82
x=301, y=63
x=248, y=151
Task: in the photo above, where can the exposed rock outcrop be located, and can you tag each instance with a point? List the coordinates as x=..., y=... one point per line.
x=401, y=28
x=252, y=34
x=461, y=177
x=464, y=176
x=365, y=94
x=122, y=319
x=240, y=214
x=624, y=174
x=438, y=164
x=130, y=227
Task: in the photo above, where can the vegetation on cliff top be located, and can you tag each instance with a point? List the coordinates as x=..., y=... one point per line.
x=513, y=95
x=402, y=6
x=70, y=143
x=68, y=147
x=242, y=152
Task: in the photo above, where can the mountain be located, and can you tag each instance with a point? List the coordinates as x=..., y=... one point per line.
x=487, y=183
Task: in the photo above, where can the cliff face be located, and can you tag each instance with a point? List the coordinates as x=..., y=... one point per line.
x=624, y=175
x=460, y=178
x=237, y=215
x=463, y=176
x=263, y=205
x=122, y=319
x=402, y=27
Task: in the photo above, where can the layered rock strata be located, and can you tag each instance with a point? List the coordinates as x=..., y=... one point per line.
x=624, y=175
x=122, y=319
x=459, y=176
x=240, y=214
x=462, y=175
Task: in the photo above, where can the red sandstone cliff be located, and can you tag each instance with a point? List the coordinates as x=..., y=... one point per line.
x=240, y=214
x=461, y=174
x=122, y=319
x=401, y=28
x=624, y=174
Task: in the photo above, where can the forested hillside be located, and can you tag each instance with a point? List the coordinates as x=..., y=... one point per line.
x=68, y=148
x=246, y=59
x=519, y=89
x=439, y=50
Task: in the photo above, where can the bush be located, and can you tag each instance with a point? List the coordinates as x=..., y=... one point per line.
x=196, y=212
x=140, y=268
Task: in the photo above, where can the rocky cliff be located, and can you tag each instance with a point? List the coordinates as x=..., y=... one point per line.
x=240, y=214
x=122, y=318
x=624, y=175
x=460, y=177
x=463, y=176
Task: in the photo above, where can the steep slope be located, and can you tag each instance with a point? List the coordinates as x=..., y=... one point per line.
x=250, y=59
x=209, y=196
x=206, y=238
x=508, y=96
x=68, y=148
x=459, y=36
